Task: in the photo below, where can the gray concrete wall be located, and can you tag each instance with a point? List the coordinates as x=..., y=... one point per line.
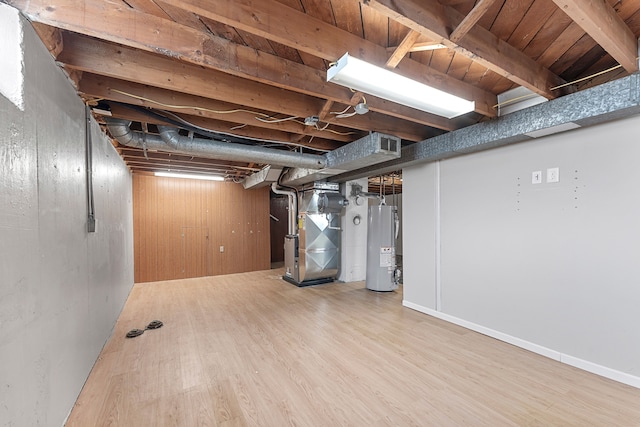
x=61, y=288
x=549, y=266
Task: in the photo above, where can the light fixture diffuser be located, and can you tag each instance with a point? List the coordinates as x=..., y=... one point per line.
x=360, y=75
x=189, y=176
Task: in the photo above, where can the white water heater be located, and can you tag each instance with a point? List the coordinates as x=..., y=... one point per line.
x=382, y=271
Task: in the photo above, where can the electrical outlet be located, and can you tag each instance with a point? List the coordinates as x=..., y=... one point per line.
x=553, y=175
x=221, y=249
x=536, y=177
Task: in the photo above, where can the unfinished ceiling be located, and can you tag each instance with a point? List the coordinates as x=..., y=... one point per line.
x=257, y=69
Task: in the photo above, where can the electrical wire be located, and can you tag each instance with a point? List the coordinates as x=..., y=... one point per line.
x=531, y=95
x=286, y=119
x=279, y=143
x=587, y=78
x=341, y=112
x=189, y=107
x=237, y=110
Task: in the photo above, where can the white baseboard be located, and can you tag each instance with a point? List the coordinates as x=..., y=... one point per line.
x=585, y=365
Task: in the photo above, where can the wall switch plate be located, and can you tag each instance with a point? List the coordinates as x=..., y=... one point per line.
x=221, y=248
x=553, y=175
x=536, y=177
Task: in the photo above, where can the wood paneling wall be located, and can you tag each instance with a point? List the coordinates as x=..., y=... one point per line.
x=181, y=224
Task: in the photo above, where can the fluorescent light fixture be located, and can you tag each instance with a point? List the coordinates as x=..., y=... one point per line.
x=359, y=75
x=190, y=176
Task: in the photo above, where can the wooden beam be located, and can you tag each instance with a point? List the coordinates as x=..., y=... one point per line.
x=112, y=89
x=424, y=46
x=150, y=33
x=470, y=20
x=403, y=48
x=435, y=21
x=603, y=24
x=326, y=41
x=138, y=153
x=50, y=36
x=125, y=63
x=325, y=110
x=143, y=164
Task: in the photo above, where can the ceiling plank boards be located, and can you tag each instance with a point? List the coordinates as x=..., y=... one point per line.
x=152, y=34
x=435, y=21
x=604, y=25
x=318, y=38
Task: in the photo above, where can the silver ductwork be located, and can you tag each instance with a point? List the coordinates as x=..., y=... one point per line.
x=367, y=151
x=170, y=140
x=265, y=176
x=305, y=168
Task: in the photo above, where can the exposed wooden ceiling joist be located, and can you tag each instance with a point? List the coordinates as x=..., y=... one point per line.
x=436, y=22
x=313, y=36
x=267, y=59
x=99, y=57
x=102, y=87
x=604, y=25
x=150, y=33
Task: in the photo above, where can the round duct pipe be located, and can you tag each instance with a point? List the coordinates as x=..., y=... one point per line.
x=171, y=141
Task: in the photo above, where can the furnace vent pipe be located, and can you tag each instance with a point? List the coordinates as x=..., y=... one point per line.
x=170, y=140
x=293, y=206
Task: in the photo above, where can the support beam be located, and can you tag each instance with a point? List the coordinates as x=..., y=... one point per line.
x=325, y=110
x=403, y=48
x=326, y=41
x=50, y=36
x=470, y=20
x=603, y=24
x=425, y=46
x=614, y=100
x=435, y=21
x=125, y=63
x=123, y=25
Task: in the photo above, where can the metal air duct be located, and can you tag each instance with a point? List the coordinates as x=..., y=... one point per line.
x=171, y=141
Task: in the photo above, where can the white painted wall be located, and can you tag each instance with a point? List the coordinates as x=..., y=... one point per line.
x=11, y=64
x=554, y=265
x=61, y=288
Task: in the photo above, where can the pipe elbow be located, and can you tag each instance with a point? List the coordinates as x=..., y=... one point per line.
x=170, y=136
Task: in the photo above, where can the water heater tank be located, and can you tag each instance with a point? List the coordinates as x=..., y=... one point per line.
x=382, y=274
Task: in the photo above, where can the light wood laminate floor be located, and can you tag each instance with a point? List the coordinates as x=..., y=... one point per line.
x=250, y=349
